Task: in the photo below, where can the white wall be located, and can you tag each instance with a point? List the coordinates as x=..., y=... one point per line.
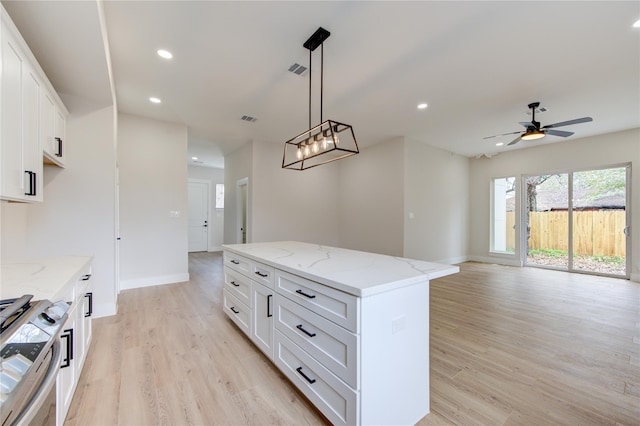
x=153, y=202
x=77, y=216
x=237, y=165
x=216, y=216
x=293, y=205
x=436, y=186
x=371, y=199
x=579, y=154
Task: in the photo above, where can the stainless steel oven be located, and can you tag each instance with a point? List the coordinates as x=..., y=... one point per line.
x=30, y=354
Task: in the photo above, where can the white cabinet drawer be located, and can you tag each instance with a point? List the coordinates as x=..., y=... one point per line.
x=237, y=311
x=331, y=396
x=333, y=346
x=260, y=272
x=239, y=263
x=238, y=285
x=335, y=305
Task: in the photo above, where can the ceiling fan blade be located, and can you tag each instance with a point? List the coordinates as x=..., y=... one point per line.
x=560, y=133
x=568, y=123
x=515, y=141
x=504, y=134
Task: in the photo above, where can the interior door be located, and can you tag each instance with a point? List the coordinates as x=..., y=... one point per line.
x=198, y=216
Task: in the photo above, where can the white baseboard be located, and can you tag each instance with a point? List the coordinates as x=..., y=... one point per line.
x=216, y=248
x=453, y=260
x=496, y=260
x=635, y=278
x=152, y=281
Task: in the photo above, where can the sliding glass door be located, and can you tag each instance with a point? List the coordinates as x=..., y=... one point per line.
x=578, y=221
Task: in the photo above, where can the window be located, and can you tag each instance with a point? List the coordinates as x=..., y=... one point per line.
x=503, y=198
x=219, y=196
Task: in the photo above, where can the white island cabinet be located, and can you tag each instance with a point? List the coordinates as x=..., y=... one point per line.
x=350, y=329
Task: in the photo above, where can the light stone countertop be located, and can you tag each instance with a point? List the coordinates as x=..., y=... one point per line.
x=49, y=278
x=355, y=272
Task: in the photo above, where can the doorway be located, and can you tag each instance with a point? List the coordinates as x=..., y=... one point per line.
x=198, y=195
x=578, y=221
x=242, y=210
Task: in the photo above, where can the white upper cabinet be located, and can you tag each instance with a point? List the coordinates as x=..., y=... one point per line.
x=21, y=152
x=52, y=130
x=32, y=119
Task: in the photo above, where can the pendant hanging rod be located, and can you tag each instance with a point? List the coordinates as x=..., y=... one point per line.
x=310, y=87
x=321, y=77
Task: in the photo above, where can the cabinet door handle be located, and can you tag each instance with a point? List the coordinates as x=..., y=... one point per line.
x=90, y=311
x=32, y=183
x=260, y=274
x=299, y=327
x=86, y=277
x=59, y=153
x=66, y=362
x=311, y=381
x=269, y=314
x=233, y=283
x=233, y=309
x=235, y=262
x=310, y=296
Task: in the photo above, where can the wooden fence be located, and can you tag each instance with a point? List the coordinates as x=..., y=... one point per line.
x=596, y=232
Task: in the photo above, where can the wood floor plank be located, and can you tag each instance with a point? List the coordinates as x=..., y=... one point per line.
x=509, y=346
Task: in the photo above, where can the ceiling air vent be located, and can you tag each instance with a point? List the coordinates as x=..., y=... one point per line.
x=249, y=119
x=297, y=69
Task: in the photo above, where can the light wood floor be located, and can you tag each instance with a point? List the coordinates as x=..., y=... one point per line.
x=508, y=346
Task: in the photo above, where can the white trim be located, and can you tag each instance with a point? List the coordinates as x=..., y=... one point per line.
x=495, y=260
x=153, y=281
x=215, y=248
x=453, y=260
x=635, y=278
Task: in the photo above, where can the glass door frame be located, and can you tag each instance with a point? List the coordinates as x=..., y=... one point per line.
x=524, y=244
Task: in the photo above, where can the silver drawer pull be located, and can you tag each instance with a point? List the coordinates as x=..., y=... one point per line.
x=299, y=327
x=310, y=296
x=234, y=284
x=311, y=381
x=261, y=274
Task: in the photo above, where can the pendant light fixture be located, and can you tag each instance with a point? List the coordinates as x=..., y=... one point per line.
x=328, y=141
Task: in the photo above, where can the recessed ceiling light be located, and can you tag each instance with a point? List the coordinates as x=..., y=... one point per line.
x=154, y=100
x=500, y=144
x=194, y=158
x=165, y=54
x=422, y=106
x=637, y=24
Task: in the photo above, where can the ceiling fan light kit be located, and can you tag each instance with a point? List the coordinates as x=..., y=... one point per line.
x=328, y=141
x=534, y=131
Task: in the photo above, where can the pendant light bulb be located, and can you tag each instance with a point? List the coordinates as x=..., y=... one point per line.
x=299, y=153
x=306, y=150
x=315, y=147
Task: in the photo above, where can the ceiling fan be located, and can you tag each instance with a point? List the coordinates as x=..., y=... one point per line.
x=534, y=131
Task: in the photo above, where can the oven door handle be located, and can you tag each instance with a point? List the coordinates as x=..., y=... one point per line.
x=42, y=391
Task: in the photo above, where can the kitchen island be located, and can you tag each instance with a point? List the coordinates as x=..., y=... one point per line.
x=350, y=329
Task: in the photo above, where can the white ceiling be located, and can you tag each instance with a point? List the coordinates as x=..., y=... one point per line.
x=477, y=64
